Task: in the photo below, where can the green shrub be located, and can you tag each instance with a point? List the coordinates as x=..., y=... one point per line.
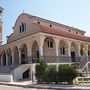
x=49, y=73
x=66, y=73
x=52, y=73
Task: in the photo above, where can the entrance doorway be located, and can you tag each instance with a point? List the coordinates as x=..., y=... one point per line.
x=22, y=58
x=73, y=56
x=26, y=74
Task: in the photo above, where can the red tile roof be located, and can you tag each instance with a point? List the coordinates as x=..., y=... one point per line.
x=50, y=30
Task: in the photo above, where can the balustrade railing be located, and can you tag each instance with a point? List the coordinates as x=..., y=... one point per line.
x=48, y=59
x=52, y=59
x=79, y=62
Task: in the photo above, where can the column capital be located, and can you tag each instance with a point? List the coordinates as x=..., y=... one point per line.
x=41, y=41
x=19, y=49
x=57, y=40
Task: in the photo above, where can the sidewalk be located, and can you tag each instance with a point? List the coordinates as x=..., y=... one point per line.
x=19, y=83
x=28, y=84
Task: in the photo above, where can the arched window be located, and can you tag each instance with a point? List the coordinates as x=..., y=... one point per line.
x=62, y=50
x=50, y=44
x=22, y=27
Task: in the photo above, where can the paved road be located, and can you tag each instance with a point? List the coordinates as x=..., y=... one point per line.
x=5, y=87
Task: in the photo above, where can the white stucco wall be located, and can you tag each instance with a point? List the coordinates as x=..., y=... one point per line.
x=17, y=73
x=6, y=78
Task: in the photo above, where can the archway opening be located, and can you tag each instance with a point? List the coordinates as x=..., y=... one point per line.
x=49, y=47
x=24, y=57
x=9, y=53
x=35, y=52
x=4, y=58
x=63, y=48
x=74, y=52
x=16, y=56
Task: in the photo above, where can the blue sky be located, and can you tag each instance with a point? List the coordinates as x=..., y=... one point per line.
x=74, y=13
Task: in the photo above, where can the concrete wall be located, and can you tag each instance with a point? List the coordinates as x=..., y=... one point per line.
x=6, y=78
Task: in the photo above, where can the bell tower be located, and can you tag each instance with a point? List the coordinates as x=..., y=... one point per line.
x=1, y=12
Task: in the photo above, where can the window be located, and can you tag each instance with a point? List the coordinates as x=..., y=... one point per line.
x=82, y=34
x=22, y=27
x=69, y=30
x=88, y=52
x=38, y=22
x=50, y=25
x=62, y=51
x=50, y=44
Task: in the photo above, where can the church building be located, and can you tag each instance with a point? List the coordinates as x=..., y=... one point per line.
x=35, y=38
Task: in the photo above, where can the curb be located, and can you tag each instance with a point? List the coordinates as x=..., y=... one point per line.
x=12, y=85
x=45, y=87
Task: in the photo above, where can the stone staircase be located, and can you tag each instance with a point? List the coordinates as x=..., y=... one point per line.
x=15, y=70
x=84, y=65
x=18, y=71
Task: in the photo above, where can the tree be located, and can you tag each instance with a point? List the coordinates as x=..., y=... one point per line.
x=40, y=70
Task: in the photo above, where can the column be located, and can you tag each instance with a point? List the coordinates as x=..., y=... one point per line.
x=69, y=50
x=41, y=42
x=41, y=50
x=57, y=40
x=57, y=54
x=19, y=56
x=29, y=54
x=79, y=50
x=33, y=73
x=6, y=59
x=1, y=60
x=12, y=58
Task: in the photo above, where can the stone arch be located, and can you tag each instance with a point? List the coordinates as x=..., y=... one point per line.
x=9, y=53
x=3, y=58
x=16, y=55
x=35, y=51
x=63, y=48
x=24, y=55
x=49, y=47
